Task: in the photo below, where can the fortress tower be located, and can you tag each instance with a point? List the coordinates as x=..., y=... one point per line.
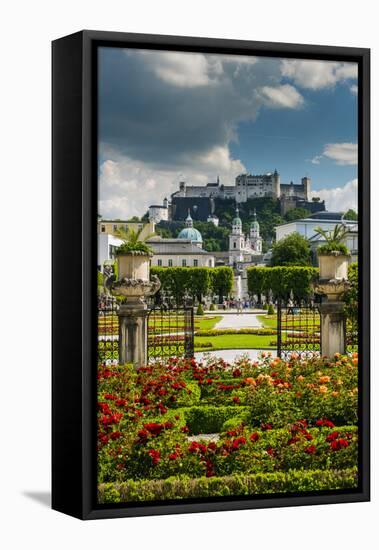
x=276, y=184
x=306, y=183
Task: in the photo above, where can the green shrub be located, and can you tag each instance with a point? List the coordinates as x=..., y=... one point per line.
x=191, y=397
x=270, y=310
x=255, y=484
x=196, y=281
x=208, y=419
x=331, y=248
x=212, y=307
x=235, y=422
x=281, y=281
x=200, y=309
x=205, y=345
x=265, y=306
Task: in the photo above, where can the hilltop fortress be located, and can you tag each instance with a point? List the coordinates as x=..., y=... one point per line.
x=200, y=199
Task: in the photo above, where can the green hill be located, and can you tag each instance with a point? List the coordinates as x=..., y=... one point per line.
x=217, y=238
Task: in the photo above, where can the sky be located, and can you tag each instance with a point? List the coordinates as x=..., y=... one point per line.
x=166, y=117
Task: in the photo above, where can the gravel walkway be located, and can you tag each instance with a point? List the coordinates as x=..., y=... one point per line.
x=235, y=321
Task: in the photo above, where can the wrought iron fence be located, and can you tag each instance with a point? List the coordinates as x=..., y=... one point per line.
x=352, y=338
x=298, y=329
x=170, y=329
x=107, y=330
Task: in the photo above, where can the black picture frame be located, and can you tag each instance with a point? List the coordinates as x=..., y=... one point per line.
x=74, y=205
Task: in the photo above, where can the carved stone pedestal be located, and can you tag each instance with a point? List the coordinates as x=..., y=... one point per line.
x=133, y=333
x=331, y=286
x=135, y=285
x=332, y=328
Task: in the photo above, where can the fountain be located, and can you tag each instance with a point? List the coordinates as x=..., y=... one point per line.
x=238, y=287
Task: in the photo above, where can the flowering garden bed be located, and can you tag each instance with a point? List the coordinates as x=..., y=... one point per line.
x=283, y=426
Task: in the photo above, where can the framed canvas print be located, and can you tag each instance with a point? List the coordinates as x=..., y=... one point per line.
x=210, y=274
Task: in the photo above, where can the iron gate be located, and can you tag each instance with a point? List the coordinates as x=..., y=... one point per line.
x=107, y=330
x=298, y=329
x=170, y=331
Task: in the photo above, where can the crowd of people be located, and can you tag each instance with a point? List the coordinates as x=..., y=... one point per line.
x=238, y=304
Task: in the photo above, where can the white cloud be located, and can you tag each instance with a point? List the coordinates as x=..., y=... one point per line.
x=316, y=159
x=339, y=199
x=318, y=74
x=342, y=153
x=182, y=69
x=354, y=89
x=285, y=96
x=127, y=187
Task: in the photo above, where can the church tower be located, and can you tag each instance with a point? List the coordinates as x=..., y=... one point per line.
x=255, y=238
x=236, y=240
x=189, y=221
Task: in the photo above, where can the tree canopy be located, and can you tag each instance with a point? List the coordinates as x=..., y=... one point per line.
x=291, y=250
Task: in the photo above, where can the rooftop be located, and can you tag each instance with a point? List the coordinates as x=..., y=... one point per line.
x=176, y=246
x=333, y=217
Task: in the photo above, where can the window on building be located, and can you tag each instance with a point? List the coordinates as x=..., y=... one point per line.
x=115, y=227
x=195, y=263
x=103, y=228
x=170, y=263
x=234, y=245
x=159, y=262
x=184, y=263
x=210, y=263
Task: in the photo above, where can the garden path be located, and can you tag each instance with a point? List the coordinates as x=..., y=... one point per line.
x=236, y=321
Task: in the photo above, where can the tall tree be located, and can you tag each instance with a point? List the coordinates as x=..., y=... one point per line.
x=351, y=215
x=291, y=250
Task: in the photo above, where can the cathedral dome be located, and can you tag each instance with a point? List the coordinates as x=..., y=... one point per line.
x=192, y=234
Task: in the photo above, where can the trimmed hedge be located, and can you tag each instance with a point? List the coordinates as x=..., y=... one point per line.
x=196, y=281
x=293, y=481
x=209, y=419
x=281, y=281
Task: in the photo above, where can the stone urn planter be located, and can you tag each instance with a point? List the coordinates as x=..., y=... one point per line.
x=134, y=284
x=332, y=284
x=134, y=278
x=333, y=266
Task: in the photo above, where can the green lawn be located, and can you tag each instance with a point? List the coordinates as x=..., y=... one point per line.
x=236, y=341
x=271, y=321
x=268, y=321
x=206, y=322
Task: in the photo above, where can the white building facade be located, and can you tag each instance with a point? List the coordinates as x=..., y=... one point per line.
x=248, y=186
x=327, y=221
x=107, y=245
x=241, y=247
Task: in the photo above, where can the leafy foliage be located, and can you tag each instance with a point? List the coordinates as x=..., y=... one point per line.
x=196, y=281
x=351, y=296
x=253, y=484
x=222, y=281
x=333, y=239
x=296, y=214
x=291, y=250
x=133, y=242
x=281, y=281
x=351, y=215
